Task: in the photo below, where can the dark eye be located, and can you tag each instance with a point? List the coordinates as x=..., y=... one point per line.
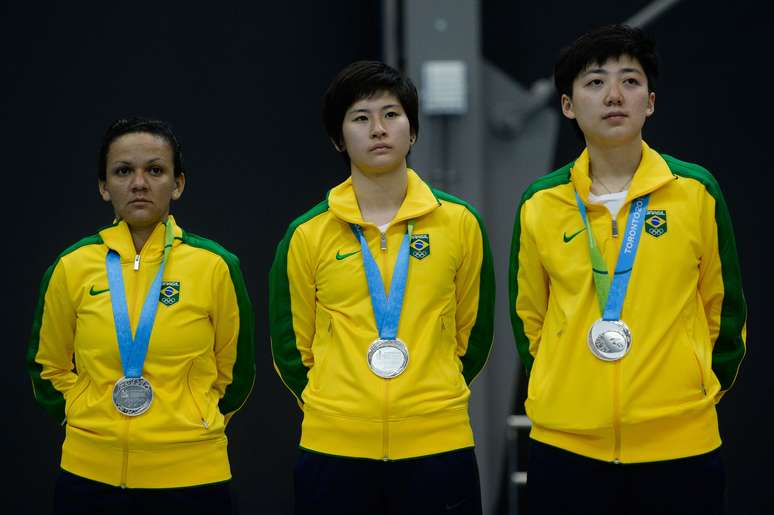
x=594, y=82
x=632, y=81
x=360, y=118
x=392, y=114
x=123, y=171
x=155, y=170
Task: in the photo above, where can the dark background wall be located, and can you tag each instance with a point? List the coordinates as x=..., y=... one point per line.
x=242, y=86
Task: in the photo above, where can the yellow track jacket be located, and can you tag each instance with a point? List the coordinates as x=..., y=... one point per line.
x=322, y=323
x=684, y=306
x=200, y=359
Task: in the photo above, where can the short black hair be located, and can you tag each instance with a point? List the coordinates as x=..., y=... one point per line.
x=601, y=44
x=137, y=124
x=360, y=80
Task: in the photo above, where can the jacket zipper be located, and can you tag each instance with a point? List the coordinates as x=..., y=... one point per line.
x=386, y=426
x=383, y=241
x=125, y=443
x=125, y=448
x=617, y=413
x=616, y=383
x=385, y=423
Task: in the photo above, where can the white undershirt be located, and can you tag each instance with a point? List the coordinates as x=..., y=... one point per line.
x=613, y=201
x=383, y=228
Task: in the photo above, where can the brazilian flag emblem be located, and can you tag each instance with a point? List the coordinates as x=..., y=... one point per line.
x=419, y=246
x=170, y=292
x=656, y=222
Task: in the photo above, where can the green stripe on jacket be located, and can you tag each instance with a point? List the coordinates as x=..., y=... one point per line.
x=284, y=350
x=482, y=333
x=729, y=348
x=243, y=374
x=551, y=180
x=47, y=396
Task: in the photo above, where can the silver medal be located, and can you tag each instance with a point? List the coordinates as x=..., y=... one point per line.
x=132, y=396
x=609, y=340
x=387, y=358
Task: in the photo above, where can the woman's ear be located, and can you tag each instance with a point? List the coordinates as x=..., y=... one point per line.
x=103, y=192
x=567, y=109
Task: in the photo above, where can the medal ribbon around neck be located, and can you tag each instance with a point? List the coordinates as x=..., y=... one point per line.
x=611, y=293
x=386, y=309
x=134, y=350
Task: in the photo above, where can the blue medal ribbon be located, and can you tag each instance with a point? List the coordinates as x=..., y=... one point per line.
x=386, y=309
x=134, y=350
x=613, y=304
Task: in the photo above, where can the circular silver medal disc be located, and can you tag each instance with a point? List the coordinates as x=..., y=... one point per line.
x=609, y=340
x=387, y=358
x=132, y=396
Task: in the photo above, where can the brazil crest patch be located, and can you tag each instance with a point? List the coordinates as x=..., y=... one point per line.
x=419, y=246
x=170, y=292
x=656, y=222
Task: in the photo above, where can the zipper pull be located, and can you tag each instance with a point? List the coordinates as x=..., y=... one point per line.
x=205, y=424
x=615, y=228
x=383, y=241
x=137, y=262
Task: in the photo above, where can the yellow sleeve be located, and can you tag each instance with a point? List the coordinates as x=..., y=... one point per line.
x=475, y=292
x=234, y=346
x=720, y=288
x=292, y=305
x=50, y=350
x=529, y=289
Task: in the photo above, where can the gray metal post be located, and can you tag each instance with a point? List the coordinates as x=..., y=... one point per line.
x=462, y=154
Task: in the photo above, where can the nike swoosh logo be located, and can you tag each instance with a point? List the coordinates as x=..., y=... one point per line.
x=93, y=292
x=573, y=235
x=340, y=256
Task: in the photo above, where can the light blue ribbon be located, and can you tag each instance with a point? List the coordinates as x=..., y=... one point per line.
x=134, y=350
x=386, y=309
x=623, y=267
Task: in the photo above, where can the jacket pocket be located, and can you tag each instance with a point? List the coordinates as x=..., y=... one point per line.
x=321, y=345
x=536, y=378
x=689, y=341
x=76, y=394
x=448, y=326
x=547, y=365
x=202, y=413
x=448, y=364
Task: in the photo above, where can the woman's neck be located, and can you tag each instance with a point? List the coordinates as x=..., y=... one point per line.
x=379, y=196
x=140, y=235
x=613, y=167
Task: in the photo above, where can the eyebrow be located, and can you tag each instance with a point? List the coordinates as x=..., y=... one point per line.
x=603, y=71
x=388, y=106
x=122, y=162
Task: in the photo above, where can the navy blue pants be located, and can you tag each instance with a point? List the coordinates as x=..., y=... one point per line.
x=75, y=495
x=442, y=483
x=561, y=482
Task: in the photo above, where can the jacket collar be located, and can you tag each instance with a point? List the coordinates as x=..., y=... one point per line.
x=117, y=237
x=652, y=173
x=419, y=201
